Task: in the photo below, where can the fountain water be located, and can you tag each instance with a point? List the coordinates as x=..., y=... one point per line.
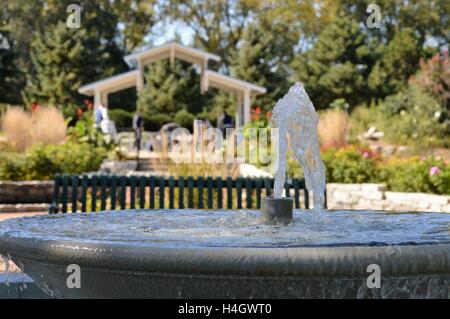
x=231, y=254
x=296, y=120
x=294, y=115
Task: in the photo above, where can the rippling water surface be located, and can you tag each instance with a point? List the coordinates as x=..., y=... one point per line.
x=226, y=228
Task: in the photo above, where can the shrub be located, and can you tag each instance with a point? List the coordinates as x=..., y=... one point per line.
x=333, y=128
x=84, y=131
x=416, y=118
x=42, y=162
x=45, y=125
x=347, y=165
x=350, y=165
x=12, y=166
x=4, y=107
x=412, y=117
x=184, y=118
x=16, y=124
x=48, y=126
x=415, y=175
x=433, y=76
x=122, y=119
x=154, y=122
x=363, y=117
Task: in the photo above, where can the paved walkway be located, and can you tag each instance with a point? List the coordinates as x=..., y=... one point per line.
x=4, y=216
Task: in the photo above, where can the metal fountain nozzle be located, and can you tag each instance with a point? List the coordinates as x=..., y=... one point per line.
x=276, y=211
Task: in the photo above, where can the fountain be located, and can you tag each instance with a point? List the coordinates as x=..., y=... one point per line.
x=295, y=117
x=276, y=253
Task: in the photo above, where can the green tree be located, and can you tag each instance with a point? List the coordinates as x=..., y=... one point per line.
x=427, y=18
x=58, y=59
x=336, y=65
x=10, y=76
x=396, y=62
x=170, y=89
x=109, y=30
x=261, y=59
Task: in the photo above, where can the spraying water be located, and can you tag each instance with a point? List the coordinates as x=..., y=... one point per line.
x=296, y=118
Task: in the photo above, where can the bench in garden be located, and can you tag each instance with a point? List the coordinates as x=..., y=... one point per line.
x=90, y=193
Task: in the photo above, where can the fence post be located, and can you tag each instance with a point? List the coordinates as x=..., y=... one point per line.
x=53, y=209
x=74, y=193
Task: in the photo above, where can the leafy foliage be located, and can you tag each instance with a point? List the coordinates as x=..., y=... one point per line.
x=415, y=175
x=351, y=165
x=397, y=61
x=336, y=66
x=85, y=132
x=434, y=77
x=171, y=89
x=42, y=162
x=416, y=116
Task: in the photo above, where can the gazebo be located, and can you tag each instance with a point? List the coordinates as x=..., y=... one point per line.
x=244, y=91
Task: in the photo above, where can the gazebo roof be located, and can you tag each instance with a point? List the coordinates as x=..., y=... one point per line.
x=230, y=84
x=112, y=84
x=171, y=50
x=244, y=90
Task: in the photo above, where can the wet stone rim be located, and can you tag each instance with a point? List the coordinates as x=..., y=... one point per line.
x=277, y=262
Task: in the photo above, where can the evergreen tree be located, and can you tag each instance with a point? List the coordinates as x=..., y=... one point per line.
x=261, y=59
x=109, y=30
x=171, y=89
x=396, y=62
x=11, y=79
x=58, y=57
x=337, y=64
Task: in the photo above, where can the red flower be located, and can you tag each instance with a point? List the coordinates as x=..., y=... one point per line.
x=34, y=106
x=79, y=112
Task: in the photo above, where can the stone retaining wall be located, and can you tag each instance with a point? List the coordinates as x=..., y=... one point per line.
x=375, y=196
x=26, y=192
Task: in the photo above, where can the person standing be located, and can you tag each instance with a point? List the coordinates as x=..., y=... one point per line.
x=138, y=125
x=99, y=115
x=225, y=121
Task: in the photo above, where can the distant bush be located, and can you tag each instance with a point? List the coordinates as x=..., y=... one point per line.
x=416, y=117
x=84, y=131
x=352, y=165
x=153, y=122
x=411, y=117
x=184, y=118
x=415, y=175
x=23, y=129
x=333, y=128
x=42, y=162
x=121, y=118
x=48, y=126
x=433, y=77
x=16, y=124
x=347, y=165
x=4, y=107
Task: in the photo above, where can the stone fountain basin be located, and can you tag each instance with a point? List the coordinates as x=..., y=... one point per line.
x=115, y=269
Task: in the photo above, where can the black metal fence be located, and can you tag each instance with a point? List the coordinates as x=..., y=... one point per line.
x=90, y=193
